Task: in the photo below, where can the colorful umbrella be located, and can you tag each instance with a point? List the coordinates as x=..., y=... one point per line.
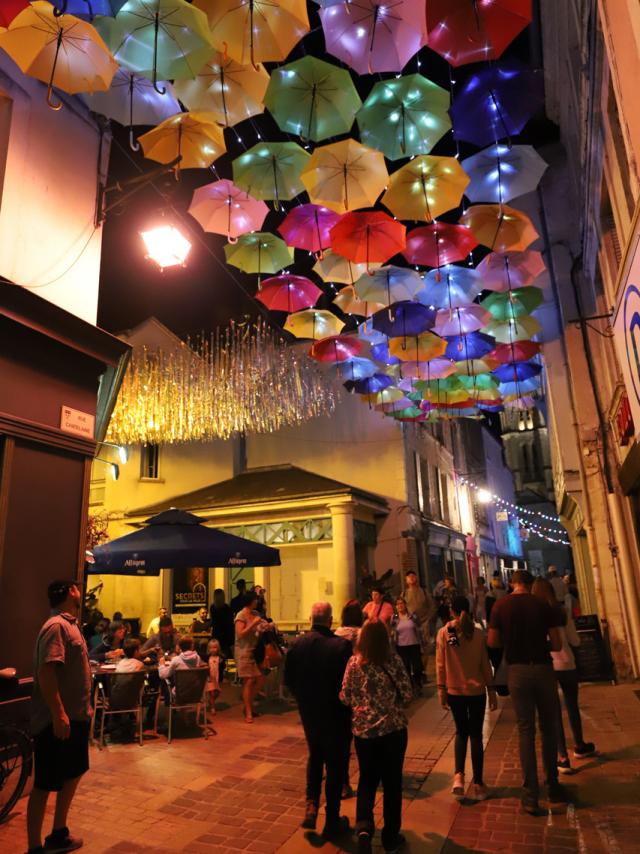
x=519, y=388
x=371, y=37
x=62, y=51
x=462, y=320
x=336, y=348
x=500, y=227
x=312, y=99
x=435, y=369
x=355, y=369
x=288, y=293
x=405, y=116
x=367, y=333
x=464, y=31
x=252, y=31
x=380, y=353
x=348, y=302
x=520, y=403
x=513, y=330
x=309, y=227
x=365, y=236
x=9, y=9
x=334, y=268
x=345, y=175
x=404, y=318
x=500, y=173
x=223, y=208
x=501, y=271
x=388, y=285
x=425, y=187
x=231, y=91
x=386, y=396
x=438, y=244
x=259, y=252
x=420, y=348
x=410, y=413
x=496, y=102
x=83, y=8
x=477, y=366
x=517, y=371
x=478, y=382
x=313, y=323
x=370, y=385
x=271, y=170
x=516, y=351
x=195, y=137
x=450, y=287
x=475, y=345
x=513, y=304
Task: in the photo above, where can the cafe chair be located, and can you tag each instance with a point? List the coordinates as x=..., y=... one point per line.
x=188, y=692
x=123, y=696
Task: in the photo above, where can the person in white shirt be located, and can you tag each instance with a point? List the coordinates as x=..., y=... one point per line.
x=187, y=658
x=131, y=661
x=154, y=625
x=559, y=587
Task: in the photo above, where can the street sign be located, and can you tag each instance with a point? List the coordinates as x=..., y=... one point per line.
x=502, y=516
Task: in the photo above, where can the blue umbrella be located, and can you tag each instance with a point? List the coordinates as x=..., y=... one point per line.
x=87, y=9
x=485, y=407
x=517, y=371
x=474, y=345
x=368, y=333
x=355, y=369
x=404, y=318
x=380, y=353
x=496, y=103
x=502, y=172
x=450, y=287
x=523, y=387
x=370, y=385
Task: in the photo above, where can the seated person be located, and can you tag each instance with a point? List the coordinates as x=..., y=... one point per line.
x=131, y=661
x=154, y=625
x=110, y=647
x=187, y=659
x=100, y=629
x=165, y=641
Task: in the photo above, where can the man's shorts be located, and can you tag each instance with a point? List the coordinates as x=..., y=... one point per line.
x=58, y=760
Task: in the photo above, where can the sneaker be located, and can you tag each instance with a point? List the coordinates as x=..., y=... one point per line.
x=480, y=792
x=310, y=816
x=457, y=790
x=586, y=749
x=530, y=806
x=557, y=793
x=364, y=841
x=564, y=766
x=60, y=841
x=394, y=845
x=335, y=829
x=347, y=792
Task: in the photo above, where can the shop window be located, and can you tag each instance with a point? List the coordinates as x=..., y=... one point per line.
x=149, y=462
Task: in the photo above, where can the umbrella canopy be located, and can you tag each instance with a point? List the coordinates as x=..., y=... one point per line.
x=425, y=187
x=419, y=348
x=475, y=345
x=371, y=37
x=347, y=301
x=380, y=352
x=83, y=8
x=502, y=271
x=515, y=351
x=223, y=208
x=232, y=92
x=288, y=293
x=439, y=243
x=365, y=236
x=410, y=413
x=500, y=227
x=473, y=367
x=370, y=385
x=336, y=348
x=404, y=318
x=173, y=540
x=388, y=285
x=271, y=170
x=513, y=304
x=313, y=323
x=195, y=137
x=309, y=227
x=517, y=371
x=462, y=31
x=500, y=173
x=478, y=382
x=64, y=52
x=461, y=320
x=450, y=287
x=345, y=175
x=386, y=396
x=506, y=332
x=9, y=10
x=312, y=99
x=355, y=369
x=334, y=268
x=405, y=116
x=519, y=387
x=435, y=369
x=259, y=252
x=367, y=333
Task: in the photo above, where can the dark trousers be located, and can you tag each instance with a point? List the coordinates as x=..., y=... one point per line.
x=380, y=761
x=328, y=744
x=468, y=714
x=533, y=688
x=412, y=659
x=568, y=681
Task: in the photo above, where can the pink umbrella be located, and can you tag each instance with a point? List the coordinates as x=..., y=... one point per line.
x=335, y=348
x=438, y=244
x=502, y=271
x=434, y=369
x=308, y=227
x=288, y=293
x=462, y=320
x=223, y=208
x=374, y=35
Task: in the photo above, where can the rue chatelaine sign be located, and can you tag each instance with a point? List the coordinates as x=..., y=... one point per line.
x=626, y=326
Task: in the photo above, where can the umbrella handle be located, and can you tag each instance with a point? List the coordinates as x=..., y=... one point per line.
x=58, y=11
x=156, y=28
x=133, y=145
x=231, y=240
x=50, y=100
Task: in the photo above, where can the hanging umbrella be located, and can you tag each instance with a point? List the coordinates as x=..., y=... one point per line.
x=456, y=286
x=271, y=170
x=420, y=348
x=438, y=244
x=405, y=116
x=223, y=208
x=464, y=31
x=506, y=332
x=355, y=369
x=371, y=37
x=478, y=382
x=519, y=388
x=334, y=268
x=345, y=175
x=166, y=39
x=288, y=293
x=313, y=323
x=309, y=227
x=9, y=9
x=380, y=353
x=195, y=137
x=336, y=348
x=404, y=318
x=500, y=173
x=517, y=371
x=365, y=236
x=447, y=384
x=500, y=227
x=370, y=385
x=388, y=285
x=520, y=403
x=435, y=369
x=62, y=51
x=475, y=345
x=83, y=8
x=252, y=31
x=347, y=301
x=367, y=333
x=232, y=92
x=516, y=351
x=461, y=320
x=425, y=187
x=259, y=252
x=473, y=367
x=501, y=271
x=386, y=396
x=513, y=304
x=312, y=99
x=411, y=413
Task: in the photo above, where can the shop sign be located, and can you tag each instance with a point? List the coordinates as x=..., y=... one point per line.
x=77, y=422
x=502, y=516
x=626, y=327
x=624, y=421
x=190, y=588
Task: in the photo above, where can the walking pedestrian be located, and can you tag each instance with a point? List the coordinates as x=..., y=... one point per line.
x=377, y=609
x=313, y=671
x=60, y=715
x=464, y=679
x=527, y=629
x=479, y=602
x=247, y=623
x=557, y=583
x=408, y=639
x=447, y=594
x=377, y=689
x=351, y=621
x=496, y=591
x=420, y=602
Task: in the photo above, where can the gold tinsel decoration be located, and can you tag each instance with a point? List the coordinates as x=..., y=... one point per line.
x=243, y=378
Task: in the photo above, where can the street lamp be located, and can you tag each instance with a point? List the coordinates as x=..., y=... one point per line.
x=166, y=245
x=484, y=496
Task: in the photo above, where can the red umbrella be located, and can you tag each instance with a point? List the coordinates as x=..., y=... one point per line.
x=9, y=9
x=336, y=348
x=288, y=293
x=517, y=351
x=365, y=236
x=438, y=244
x=464, y=31
x=308, y=227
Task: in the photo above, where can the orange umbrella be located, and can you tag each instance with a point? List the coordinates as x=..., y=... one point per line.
x=500, y=227
x=425, y=187
x=345, y=175
x=417, y=348
x=348, y=301
x=366, y=236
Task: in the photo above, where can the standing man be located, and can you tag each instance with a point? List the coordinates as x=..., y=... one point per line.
x=222, y=628
x=313, y=671
x=420, y=603
x=559, y=587
x=237, y=602
x=525, y=628
x=60, y=714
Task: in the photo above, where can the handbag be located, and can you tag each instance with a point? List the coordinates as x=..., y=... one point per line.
x=395, y=685
x=272, y=655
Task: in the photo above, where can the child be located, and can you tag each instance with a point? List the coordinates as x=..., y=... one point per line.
x=215, y=662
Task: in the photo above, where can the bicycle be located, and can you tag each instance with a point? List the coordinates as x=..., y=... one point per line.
x=16, y=755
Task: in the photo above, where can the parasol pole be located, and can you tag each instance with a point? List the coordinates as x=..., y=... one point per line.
x=133, y=145
x=50, y=100
x=156, y=31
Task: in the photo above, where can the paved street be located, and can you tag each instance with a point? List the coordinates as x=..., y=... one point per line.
x=242, y=790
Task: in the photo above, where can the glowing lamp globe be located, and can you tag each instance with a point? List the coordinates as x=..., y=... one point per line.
x=484, y=496
x=166, y=245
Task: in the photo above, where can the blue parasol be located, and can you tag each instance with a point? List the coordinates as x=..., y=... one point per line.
x=514, y=372
x=404, y=318
x=475, y=345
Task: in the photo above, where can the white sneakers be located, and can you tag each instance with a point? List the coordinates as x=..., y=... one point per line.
x=477, y=792
x=457, y=790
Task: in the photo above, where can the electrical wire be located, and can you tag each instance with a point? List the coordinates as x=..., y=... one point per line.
x=68, y=269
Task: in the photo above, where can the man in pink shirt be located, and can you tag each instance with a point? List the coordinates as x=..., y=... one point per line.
x=378, y=609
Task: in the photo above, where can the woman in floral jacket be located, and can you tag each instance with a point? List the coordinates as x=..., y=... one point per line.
x=377, y=688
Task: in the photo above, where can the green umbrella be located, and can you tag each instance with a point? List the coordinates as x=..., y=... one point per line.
x=514, y=303
x=404, y=116
x=271, y=170
x=259, y=252
x=312, y=99
x=409, y=412
x=444, y=385
x=479, y=381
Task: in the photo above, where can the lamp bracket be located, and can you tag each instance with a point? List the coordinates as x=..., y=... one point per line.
x=130, y=187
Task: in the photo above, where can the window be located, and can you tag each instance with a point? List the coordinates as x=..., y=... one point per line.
x=419, y=483
x=149, y=462
x=444, y=498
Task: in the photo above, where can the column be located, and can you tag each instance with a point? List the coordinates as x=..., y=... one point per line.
x=344, y=554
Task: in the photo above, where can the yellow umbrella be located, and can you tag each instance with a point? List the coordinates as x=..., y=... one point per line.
x=387, y=395
x=417, y=348
x=472, y=367
x=252, y=31
x=425, y=187
x=335, y=268
x=348, y=301
x=445, y=396
x=62, y=51
x=313, y=323
x=232, y=92
x=513, y=330
x=500, y=227
x=196, y=137
x=345, y=176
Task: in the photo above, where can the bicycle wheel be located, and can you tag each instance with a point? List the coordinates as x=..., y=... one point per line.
x=16, y=761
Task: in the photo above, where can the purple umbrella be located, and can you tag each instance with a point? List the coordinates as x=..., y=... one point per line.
x=370, y=385
x=517, y=371
x=380, y=353
x=404, y=318
x=496, y=103
x=475, y=345
x=308, y=227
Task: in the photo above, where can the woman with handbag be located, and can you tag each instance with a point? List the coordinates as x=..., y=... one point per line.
x=247, y=625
